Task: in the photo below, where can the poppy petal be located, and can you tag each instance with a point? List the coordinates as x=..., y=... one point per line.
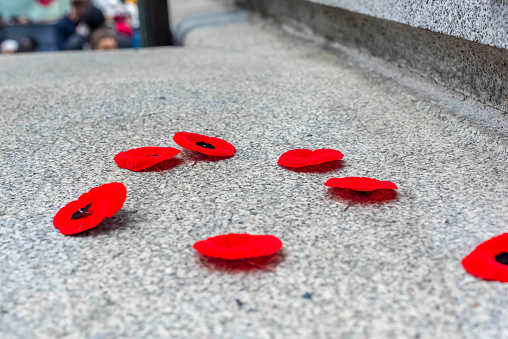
x=204, y=144
x=489, y=260
x=90, y=208
x=360, y=184
x=235, y=246
x=141, y=158
x=305, y=157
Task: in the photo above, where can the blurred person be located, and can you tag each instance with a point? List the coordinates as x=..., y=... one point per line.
x=24, y=20
x=106, y=6
x=66, y=27
x=126, y=18
x=123, y=28
x=132, y=8
x=1, y=29
x=28, y=44
x=103, y=40
x=13, y=20
x=95, y=20
x=91, y=20
x=9, y=46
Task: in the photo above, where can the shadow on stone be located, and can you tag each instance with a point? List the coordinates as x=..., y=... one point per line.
x=108, y=225
x=194, y=157
x=321, y=168
x=267, y=263
x=163, y=166
x=349, y=196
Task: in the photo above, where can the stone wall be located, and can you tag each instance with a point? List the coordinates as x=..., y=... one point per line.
x=476, y=70
x=483, y=21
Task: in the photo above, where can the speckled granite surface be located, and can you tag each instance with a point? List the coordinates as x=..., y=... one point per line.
x=383, y=270
x=481, y=21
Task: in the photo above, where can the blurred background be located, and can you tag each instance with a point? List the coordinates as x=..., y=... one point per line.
x=60, y=25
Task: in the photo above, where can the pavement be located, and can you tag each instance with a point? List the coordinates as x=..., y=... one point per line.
x=383, y=268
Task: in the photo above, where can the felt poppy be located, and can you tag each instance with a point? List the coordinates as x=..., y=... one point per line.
x=235, y=246
x=489, y=260
x=360, y=184
x=307, y=157
x=204, y=144
x=90, y=208
x=138, y=159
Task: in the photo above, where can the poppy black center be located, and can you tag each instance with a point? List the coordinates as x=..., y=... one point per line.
x=205, y=145
x=82, y=212
x=153, y=155
x=502, y=258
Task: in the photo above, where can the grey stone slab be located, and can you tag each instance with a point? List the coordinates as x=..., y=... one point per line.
x=184, y=9
x=382, y=270
x=481, y=21
x=470, y=68
x=215, y=18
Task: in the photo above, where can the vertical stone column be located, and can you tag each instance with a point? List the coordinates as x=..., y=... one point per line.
x=154, y=23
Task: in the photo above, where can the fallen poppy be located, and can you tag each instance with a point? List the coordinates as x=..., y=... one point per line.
x=238, y=246
x=163, y=166
x=138, y=159
x=307, y=157
x=90, y=208
x=489, y=260
x=360, y=184
x=204, y=144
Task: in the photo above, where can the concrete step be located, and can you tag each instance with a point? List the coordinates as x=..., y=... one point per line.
x=388, y=268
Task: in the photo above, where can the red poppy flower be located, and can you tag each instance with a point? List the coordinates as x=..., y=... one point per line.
x=360, y=184
x=204, y=144
x=238, y=246
x=489, y=260
x=138, y=159
x=307, y=157
x=90, y=208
